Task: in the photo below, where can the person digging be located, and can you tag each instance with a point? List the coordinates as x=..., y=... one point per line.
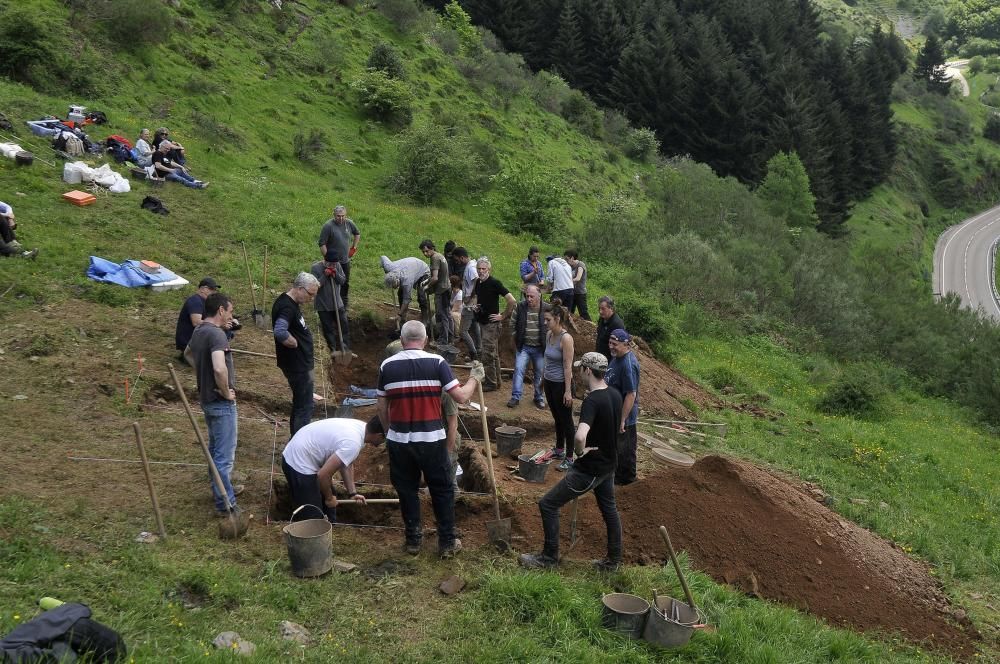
x=594, y=469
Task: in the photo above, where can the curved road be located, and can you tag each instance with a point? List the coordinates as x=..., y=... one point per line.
x=963, y=262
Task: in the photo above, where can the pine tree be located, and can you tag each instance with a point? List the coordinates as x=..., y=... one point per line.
x=929, y=67
x=568, y=55
x=785, y=191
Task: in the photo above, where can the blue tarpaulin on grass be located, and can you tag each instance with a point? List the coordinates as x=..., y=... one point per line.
x=127, y=274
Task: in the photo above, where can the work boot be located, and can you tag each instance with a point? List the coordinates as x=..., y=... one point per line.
x=412, y=547
x=512, y=403
x=222, y=514
x=566, y=464
x=489, y=387
x=449, y=552
x=538, y=561
x=540, y=404
x=606, y=565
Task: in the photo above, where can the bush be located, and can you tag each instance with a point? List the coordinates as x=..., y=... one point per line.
x=308, y=147
x=387, y=99
x=386, y=58
x=725, y=379
x=992, y=128
x=858, y=392
x=583, y=114
x=976, y=64
x=454, y=17
x=430, y=160
x=529, y=199
x=406, y=15
x=549, y=91
x=642, y=144
x=504, y=72
x=644, y=316
x=24, y=46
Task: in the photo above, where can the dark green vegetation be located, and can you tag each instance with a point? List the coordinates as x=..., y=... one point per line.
x=290, y=112
x=728, y=83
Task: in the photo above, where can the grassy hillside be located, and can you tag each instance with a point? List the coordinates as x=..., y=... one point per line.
x=235, y=87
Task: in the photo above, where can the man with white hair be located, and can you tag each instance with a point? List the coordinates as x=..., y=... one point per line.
x=410, y=384
x=488, y=292
x=168, y=169
x=406, y=275
x=341, y=236
x=293, y=344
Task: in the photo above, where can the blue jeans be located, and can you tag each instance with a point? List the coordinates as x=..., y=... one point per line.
x=220, y=418
x=406, y=463
x=183, y=178
x=575, y=484
x=301, y=383
x=536, y=355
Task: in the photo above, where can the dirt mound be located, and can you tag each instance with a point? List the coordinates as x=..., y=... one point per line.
x=751, y=529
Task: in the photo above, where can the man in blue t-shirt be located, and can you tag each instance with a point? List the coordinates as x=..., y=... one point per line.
x=410, y=384
x=192, y=313
x=623, y=374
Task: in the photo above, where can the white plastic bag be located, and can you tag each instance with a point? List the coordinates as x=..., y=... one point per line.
x=121, y=186
x=71, y=174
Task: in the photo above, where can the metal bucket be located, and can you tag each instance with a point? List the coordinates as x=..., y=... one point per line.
x=625, y=614
x=509, y=439
x=670, y=623
x=310, y=545
x=531, y=471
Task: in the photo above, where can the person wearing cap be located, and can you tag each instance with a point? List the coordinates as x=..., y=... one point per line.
x=594, y=470
x=410, y=384
x=487, y=294
x=328, y=302
x=293, y=346
x=407, y=275
x=623, y=375
x=316, y=452
x=439, y=285
x=342, y=236
x=191, y=314
x=532, y=272
x=607, y=322
x=209, y=353
x=9, y=246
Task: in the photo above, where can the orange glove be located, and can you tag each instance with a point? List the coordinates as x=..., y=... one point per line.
x=351, y=252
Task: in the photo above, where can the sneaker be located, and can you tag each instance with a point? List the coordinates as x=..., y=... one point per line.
x=32, y=255
x=238, y=489
x=512, y=403
x=565, y=465
x=449, y=552
x=539, y=404
x=412, y=548
x=606, y=565
x=203, y=185
x=489, y=387
x=558, y=454
x=538, y=561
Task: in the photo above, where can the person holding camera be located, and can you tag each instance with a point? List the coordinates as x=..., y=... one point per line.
x=328, y=302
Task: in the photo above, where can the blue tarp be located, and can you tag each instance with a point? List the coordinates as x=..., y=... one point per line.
x=127, y=274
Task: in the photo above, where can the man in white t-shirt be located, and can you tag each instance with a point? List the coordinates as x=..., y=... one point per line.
x=317, y=451
x=561, y=278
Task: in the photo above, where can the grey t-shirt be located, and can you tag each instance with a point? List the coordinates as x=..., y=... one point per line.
x=206, y=339
x=443, y=284
x=339, y=238
x=580, y=286
x=328, y=297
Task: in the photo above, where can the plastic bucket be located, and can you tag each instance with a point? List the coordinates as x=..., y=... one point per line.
x=625, y=614
x=509, y=439
x=531, y=471
x=310, y=545
x=670, y=623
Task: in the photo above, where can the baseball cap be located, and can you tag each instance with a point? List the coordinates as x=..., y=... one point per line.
x=592, y=361
x=6, y=209
x=621, y=336
x=209, y=282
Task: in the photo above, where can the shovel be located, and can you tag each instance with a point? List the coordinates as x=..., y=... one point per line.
x=677, y=567
x=342, y=356
x=258, y=315
x=236, y=523
x=499, y=530
x=574, y=511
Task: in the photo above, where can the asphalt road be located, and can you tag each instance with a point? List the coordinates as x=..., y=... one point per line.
x=963, y=262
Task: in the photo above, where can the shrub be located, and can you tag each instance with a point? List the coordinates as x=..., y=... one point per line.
x=644, y=316
x=529, y=199
x=504, y=72
x=406, y=15
x=430, y=160
x=219, y=135
x=387, y=99
x=24, y=46
x=582, y=113
x=992, y=128
x=386, y=58
x=858, y=392
x=976, y=64
x=726, y=379
x=308, y=147
x=642, y=144
x=135, y=24
x=470, y=43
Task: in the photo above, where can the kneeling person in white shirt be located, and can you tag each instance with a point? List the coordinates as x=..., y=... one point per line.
x=316, y=452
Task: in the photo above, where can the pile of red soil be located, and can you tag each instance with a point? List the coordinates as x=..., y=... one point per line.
x=754, y=530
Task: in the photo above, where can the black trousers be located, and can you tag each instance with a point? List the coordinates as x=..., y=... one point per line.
x=407, y=461
x=346, y=267
x=305, y=491
x=329, y=326
x=625, y=468
x=573, y=485
x=580, y=304
x=301, y=384
x=562, y=414
x=565, y=296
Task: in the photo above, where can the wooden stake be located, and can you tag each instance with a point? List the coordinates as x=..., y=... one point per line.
x=149, y=481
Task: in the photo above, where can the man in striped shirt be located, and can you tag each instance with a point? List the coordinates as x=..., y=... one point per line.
x=410, y=384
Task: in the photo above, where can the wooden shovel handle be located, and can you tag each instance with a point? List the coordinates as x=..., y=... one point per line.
x=489, y=454
x=677, y=566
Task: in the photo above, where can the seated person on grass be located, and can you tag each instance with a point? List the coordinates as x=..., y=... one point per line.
x=176, y=153
x=9, y=246
x=167, y=169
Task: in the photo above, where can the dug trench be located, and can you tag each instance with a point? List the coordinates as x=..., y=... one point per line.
x=738, y=523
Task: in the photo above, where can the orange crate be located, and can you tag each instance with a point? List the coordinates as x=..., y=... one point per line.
x=80, y=198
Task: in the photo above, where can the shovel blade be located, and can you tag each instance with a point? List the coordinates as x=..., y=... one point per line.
x=260, y=320
x=343, y=358
x=234, y=526
x=499, y=533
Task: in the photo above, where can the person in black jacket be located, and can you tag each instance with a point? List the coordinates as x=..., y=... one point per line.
x=293, y=344
x=529, y=339
x=608, y=321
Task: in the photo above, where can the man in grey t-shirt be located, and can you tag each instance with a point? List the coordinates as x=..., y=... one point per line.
x=208, y=352
x=340, y=236
x=407, y=275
